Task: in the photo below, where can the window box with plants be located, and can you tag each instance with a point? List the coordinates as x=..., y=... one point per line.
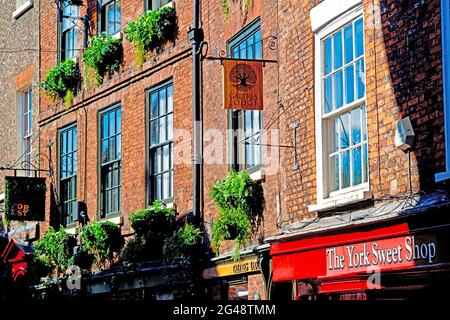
x=102, y=57
x=57, y=251
x=151, y=31
x=160, y=237
x=241, y=203
x=62, y=82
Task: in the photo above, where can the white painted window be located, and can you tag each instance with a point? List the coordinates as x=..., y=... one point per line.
x=445, y=25
x=27, y=131
x=341, y=116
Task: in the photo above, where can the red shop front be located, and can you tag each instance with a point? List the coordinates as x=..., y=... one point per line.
x=404, y=258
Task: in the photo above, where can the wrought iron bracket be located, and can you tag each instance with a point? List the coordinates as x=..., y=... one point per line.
x=33, y=165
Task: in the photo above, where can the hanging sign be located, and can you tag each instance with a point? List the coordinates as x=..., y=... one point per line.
x=243, y=84
x=247, y=265
x=25, y=198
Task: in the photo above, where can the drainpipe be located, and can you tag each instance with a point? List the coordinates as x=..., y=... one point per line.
x=196, y=36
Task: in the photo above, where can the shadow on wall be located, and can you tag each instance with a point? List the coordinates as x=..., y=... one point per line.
x=55, y=220
x=411, y=34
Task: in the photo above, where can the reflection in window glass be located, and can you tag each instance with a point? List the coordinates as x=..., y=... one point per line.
x=68, y=174
x=111, y=154
x=343, y=77
x=161, y=142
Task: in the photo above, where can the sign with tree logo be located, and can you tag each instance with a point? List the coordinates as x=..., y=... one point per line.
x=25, y=199
x=243, y=84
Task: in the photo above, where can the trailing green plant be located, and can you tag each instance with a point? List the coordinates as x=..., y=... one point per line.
x=55, y=250
x=83, y=259
x=241, y=204
x=152, y=30
x=226, y=8
x=103, y=56
x=102, y=239
x=62, y=82
x=158, y=236
x=180, y=245
x=244, y=5
x=153, y=221
x=134, y=251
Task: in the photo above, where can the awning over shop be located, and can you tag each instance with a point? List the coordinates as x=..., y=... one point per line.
x=328, y=256
x=347, y=286
x=369, y=249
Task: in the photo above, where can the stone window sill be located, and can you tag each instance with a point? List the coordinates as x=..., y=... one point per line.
x=258, y=175
x=72, y=230
x=341, y=200
x=22, y=9
x=116, y=220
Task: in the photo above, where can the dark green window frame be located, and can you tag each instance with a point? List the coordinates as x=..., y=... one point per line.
x=68, y=32
x=160, y=143
x=68, y=165
x=110, y=160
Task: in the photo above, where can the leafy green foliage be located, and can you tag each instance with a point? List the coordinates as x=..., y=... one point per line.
x=62, y=82
x=226, y=8
x=159, y=237
x=154, y=220
x=181, y=243
x=55, y=250
x=83, y=259
x=241, y=204
x=134, y=251
x=103, y=56
x=153, y=29
x=102, y=239
x=244, y=4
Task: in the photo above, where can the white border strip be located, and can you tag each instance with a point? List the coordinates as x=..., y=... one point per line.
x=22, y=9
x=328, y=10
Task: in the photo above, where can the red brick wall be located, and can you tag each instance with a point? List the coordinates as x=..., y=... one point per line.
x=401, y=80
x=218, y=30
x=127, y=86
x=403, y=75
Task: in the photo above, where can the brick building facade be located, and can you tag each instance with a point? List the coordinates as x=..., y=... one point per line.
x=403, y=78
x=19, y=78
x=387, y=65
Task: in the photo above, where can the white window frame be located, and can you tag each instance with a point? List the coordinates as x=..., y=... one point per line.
x=324, y=25
x=24, y=136
x=445, y=31
x=21, y=8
